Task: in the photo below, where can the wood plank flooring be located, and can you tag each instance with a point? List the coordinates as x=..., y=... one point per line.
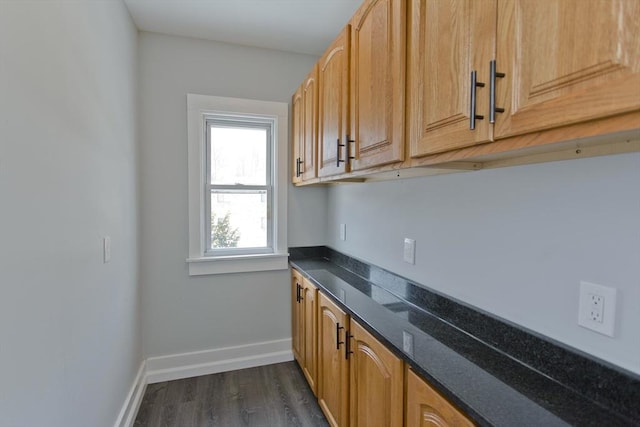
x=266, y=396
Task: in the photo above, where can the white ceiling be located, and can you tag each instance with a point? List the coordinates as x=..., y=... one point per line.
x=303, y=26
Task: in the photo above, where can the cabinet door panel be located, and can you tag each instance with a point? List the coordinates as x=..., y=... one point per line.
x=376, y=382
x=296, y=317
x=333, y=122
x=297, y=134
x=566, y=61
x=310, y=321
x=447, y=41
x=426, y=408
x=310, y=118
x=333, y=366
x=377, y=82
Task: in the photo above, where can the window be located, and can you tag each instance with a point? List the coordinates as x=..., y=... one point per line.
x=237, y=184
x=239, y=190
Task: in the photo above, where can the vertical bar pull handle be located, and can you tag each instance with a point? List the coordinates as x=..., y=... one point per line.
x=472, y=98
x=338, y=342
x=298, y=167
x=338, y=145
x=298, y=292
x=349, y=142
x=347, y=347
x=493, y=74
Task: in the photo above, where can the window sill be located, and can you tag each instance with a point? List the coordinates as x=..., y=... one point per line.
x=237, y=264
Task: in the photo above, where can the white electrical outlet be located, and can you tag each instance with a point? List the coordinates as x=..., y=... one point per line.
x=596, y=311
x=597, y=308
x=409, y=251
x=343, y=231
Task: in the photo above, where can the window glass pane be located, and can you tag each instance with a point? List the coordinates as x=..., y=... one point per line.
x=238, y=155
x=238, y=219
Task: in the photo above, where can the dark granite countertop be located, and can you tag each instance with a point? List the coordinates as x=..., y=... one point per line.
x=497, y=373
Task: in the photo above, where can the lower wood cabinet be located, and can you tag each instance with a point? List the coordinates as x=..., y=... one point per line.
x=376, y=381
x=426, y=407
x=304, y=327
x=296, y=315
x=333, y=365
x=359, y=382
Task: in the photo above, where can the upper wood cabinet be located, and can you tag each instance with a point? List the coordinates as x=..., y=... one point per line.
x=376, y=381
x=333, y=366
x=297, y=134
x=304, y=128
x=565, y=61
x=537, y=65
x=377, y=83
x=450, y=44
x=310, y=118
x=488, y=82
x=333, y=117
x=427, y=408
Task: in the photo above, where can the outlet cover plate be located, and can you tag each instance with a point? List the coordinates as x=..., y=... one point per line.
x=407, y=343
x=106, y=249
x=343, y=231
x=409, y=251
x=597, y=308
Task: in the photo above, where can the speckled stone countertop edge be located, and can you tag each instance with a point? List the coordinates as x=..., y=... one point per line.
x=608, y=389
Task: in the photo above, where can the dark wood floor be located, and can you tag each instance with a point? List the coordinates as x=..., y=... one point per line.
x=269, y=396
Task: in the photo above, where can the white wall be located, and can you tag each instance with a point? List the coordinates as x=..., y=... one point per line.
x=182, y=313
x=69, y=327
x=515, y=241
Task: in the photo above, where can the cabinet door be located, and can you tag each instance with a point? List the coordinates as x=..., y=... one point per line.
x=310, y=322
x=376, y=382
x=565, y=61
x=296, y=316
x=447, y=41
x=310, y=119
x=333, y=124
x=333, y=367
x=297, y=134
x=377, y=82
x=426, y=408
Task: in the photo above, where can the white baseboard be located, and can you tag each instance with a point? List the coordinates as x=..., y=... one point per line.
x=185, y=365
x=132, y=403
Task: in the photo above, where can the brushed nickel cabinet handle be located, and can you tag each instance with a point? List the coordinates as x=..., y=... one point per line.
x=338, y=342
x=493, y=74
x=472, y=100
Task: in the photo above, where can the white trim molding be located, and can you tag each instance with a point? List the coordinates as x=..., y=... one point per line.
x=239, y=263
x=185, y=365
x=131, y=405
x=196, y=363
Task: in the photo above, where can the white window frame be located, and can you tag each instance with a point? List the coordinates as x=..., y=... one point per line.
x=200, y=108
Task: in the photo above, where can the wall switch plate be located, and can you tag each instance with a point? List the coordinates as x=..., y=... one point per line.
x=106, y=249
x=343, y=231
x=597, y=308
x=409, y=251
x=407, y=343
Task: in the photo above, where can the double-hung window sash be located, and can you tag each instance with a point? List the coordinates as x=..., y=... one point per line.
x=238, y=190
